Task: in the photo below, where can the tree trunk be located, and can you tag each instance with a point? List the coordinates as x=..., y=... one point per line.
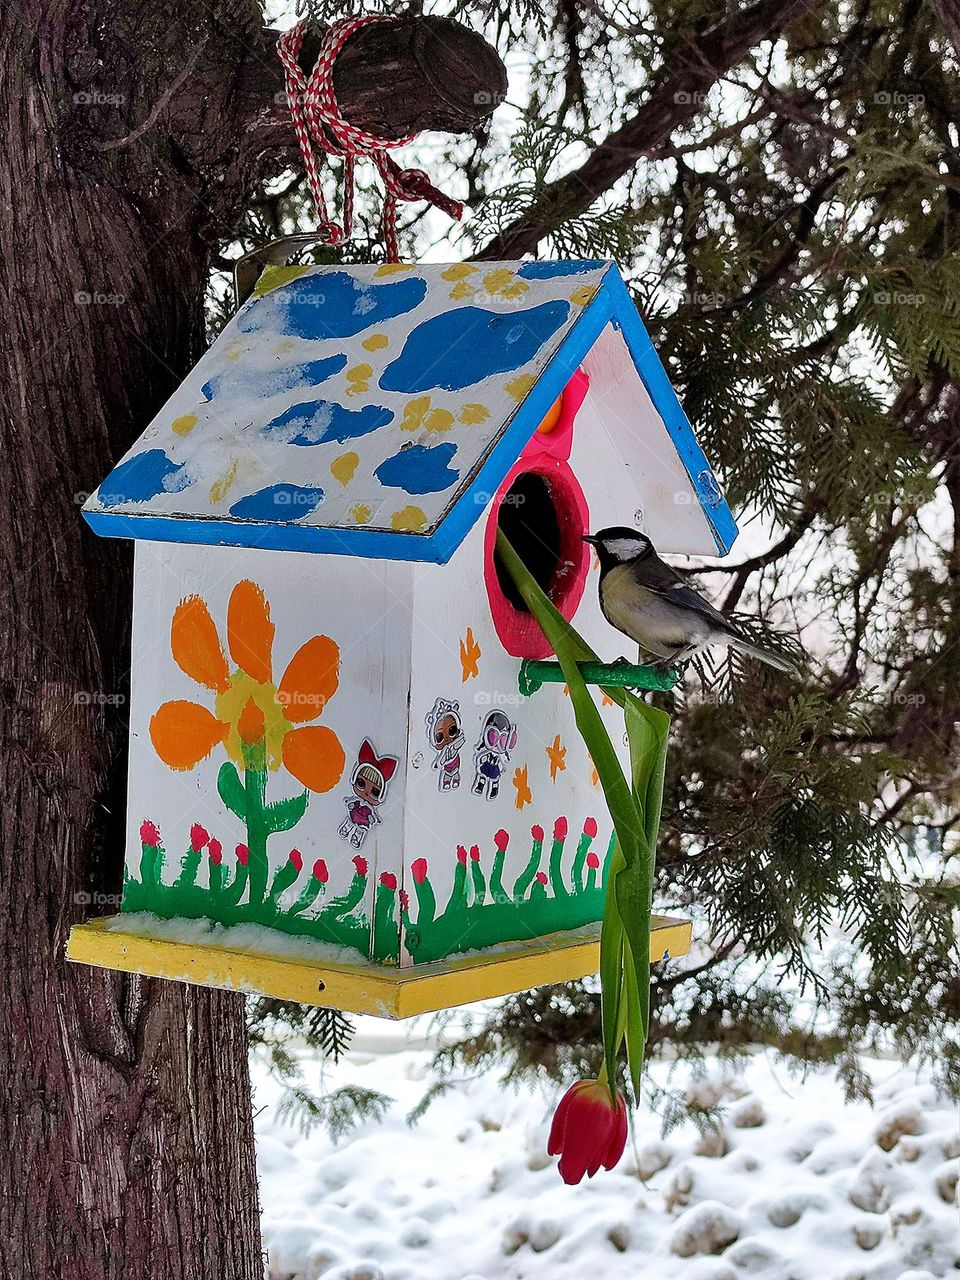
x=131, y=135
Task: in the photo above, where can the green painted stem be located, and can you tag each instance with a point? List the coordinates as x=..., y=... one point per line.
x=188, y=868
x=216, y=878
x=283, y=878
x=497, y=891
x=386, y=935
x=580, y=860
x=343, y=905
x=525, y=878
x=556, y=869
x=479, y=884
x=151, y=860
x=255, y=787
x=426, y=902
x=308, y=896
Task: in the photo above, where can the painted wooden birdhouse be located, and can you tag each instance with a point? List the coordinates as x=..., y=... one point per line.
x=337, y=792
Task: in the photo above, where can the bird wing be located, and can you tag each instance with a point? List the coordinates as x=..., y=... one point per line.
x=660, y=579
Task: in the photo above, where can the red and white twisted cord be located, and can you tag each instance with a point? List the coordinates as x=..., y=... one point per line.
x=319, y=124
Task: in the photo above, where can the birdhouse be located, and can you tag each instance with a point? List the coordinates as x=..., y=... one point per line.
x=337, y=792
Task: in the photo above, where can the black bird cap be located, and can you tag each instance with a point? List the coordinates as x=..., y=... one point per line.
x=607, y=539
x=615, y=531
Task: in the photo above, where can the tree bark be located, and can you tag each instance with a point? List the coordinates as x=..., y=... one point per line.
x=131, y=136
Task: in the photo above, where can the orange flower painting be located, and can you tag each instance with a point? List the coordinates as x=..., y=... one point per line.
x=250, y=705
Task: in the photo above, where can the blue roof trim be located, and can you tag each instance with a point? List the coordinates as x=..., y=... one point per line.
x=372, y=544
x=647, y=363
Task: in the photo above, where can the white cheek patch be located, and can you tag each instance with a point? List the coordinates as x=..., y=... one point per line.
x=625, y=548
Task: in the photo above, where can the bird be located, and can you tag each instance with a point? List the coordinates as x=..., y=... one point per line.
x=648, y=602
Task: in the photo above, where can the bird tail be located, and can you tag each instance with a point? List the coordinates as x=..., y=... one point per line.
x=763, y=655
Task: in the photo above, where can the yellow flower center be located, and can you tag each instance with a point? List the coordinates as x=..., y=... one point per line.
x=230, y=705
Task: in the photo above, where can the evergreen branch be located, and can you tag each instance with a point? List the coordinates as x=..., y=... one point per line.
x=695, y=68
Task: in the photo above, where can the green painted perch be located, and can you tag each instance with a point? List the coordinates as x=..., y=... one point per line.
x=612, y=675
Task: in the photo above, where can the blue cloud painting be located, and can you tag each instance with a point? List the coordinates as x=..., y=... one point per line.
x=143, y=477
x=259, y=384
x=459, y=348
x=318, y=421
x=419, y=469
x=330, y=305
x=278, y=502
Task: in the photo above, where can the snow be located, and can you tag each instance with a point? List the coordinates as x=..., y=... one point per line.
x=798, y=1186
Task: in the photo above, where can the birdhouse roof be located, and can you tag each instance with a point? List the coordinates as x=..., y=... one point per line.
x=372, y=411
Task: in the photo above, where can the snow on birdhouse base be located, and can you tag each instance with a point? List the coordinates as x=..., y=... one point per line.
x=252, y=959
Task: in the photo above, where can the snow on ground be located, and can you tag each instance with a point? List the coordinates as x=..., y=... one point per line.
x=798, y=1187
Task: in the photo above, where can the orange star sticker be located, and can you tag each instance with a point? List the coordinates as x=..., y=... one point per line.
x=469, y=656
x=522, y=787
x=606, y=700
x=557, y=755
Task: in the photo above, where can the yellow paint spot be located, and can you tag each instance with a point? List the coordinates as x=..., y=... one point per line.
x=471, y=414
x=408, y=520
x=414, y=413
x=376, y=342
x=220, y=488
x=458, y=271
x=469, y=656
x=497, y=279
x=235, y=350
x=520, y=387
x=580, y=297
x=184, y=424
x=287, y=344
x=273, y=276
x=461, y=291
x=438, y=420
x=360, y=513
x=342, y=468
x=515, y=290
x=392, y=268
x=359, y=377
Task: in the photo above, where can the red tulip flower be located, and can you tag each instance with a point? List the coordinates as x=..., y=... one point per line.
x=589, y=1130
x=215, y=850
x=243, y=853
x=360, y=865
x=296, y=859
x=388, y=880
x=537, y=832
x=320, y=871
x=592, y=861
x=419, y=869
x=560, y=829
x=198, y=837
x=501, y=839
x=590, y=827
x=475, y=852
x=462, y=855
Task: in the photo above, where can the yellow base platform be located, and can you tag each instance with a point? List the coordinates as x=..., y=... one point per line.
x=360, y=988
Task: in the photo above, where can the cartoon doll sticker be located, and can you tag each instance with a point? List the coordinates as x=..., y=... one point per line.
x=445, y=735
x=370, y=778
x=498, y=737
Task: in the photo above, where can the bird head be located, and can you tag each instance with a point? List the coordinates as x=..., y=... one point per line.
x=619, y=545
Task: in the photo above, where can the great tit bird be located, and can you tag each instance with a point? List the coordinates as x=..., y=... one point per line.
x=643, y=597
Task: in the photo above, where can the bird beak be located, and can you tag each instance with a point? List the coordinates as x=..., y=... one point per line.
x=588, y=537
